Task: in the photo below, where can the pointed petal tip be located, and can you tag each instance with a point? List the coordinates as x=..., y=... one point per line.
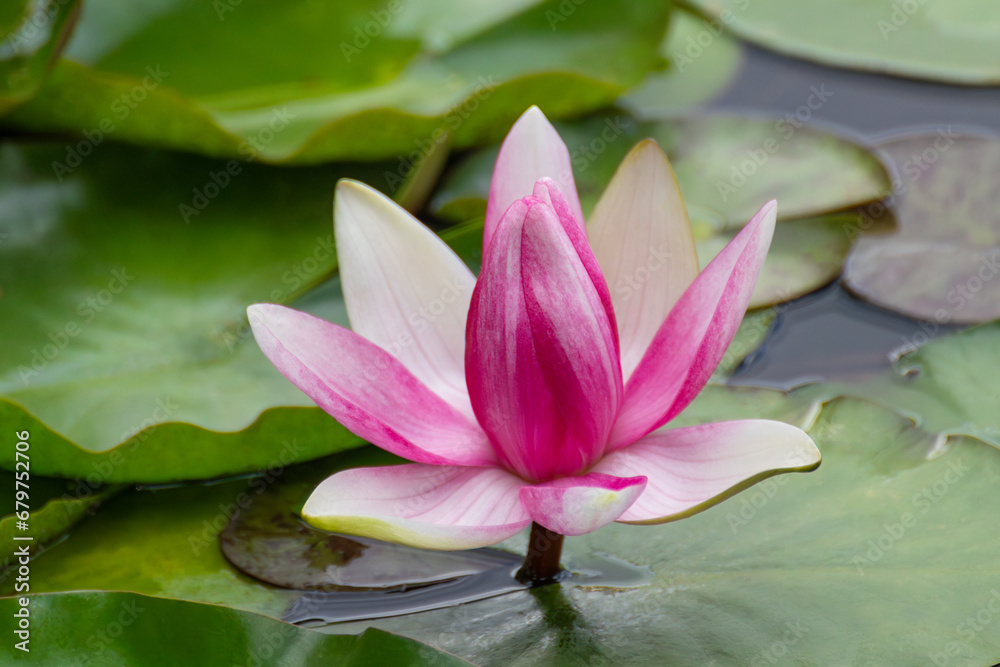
x=533, y=114
x=257, y=313
x=686, y=478
x=769, y=211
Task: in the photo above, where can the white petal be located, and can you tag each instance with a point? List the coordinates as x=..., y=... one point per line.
x=405, y=289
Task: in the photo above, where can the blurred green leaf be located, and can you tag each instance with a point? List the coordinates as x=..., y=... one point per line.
x=32, y=34
x=310, y=82
x=956, y=41
x=124, y=629
x=127, y=353
x=703, y=57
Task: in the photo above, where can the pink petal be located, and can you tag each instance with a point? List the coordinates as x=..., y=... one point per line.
x=642, y=239
x=694, y=337
x=366, y=389
x=433, y=507
x=580, y=505
x=691, y=469
x=541, y=355
x=405, y=289
x=532, y=150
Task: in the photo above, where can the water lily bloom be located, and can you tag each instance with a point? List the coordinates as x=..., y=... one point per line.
x=538, y=392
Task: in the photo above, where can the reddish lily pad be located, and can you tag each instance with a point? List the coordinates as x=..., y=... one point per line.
x=942, y=264
x=269, y=540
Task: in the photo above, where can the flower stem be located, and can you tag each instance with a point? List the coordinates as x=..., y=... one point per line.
x=541, y=563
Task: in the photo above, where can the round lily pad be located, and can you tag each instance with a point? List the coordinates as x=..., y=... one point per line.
x=268, y=540
x=957, y=41
x=942, y=263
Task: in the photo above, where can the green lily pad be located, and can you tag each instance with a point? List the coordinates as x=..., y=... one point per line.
x=55, y=507
x=802, y=568
x=164, y=542
x=124, y=629
x=703, y=57
x=956, y=41
x=32, y=34
x=805, y=255
x=311, y=82
x=942, y=263
x=126, y=349
x=719, y=402
x=753, y=330
x=948, y=385
x=727, y=166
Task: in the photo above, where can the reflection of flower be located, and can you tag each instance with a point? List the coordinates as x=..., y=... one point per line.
x=535, y=393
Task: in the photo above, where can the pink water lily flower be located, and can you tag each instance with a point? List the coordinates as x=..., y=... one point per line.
x=539, y=392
